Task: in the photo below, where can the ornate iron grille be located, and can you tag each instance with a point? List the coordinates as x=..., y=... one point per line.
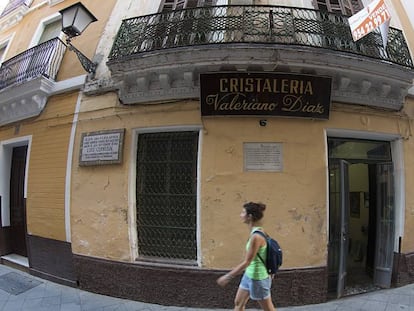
x=252, y=24
x=41, y=60
x=166, y=195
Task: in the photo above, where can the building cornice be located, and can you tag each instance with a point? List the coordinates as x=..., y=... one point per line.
x=27, y=100
x=173, y=74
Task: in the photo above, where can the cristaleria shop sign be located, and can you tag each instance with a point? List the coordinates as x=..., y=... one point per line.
x=265, y=94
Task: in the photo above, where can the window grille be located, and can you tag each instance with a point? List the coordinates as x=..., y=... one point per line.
x=166, y=195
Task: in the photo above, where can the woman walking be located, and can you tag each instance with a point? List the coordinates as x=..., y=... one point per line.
x=256, y=282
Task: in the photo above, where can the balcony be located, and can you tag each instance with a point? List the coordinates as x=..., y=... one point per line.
x=159, y=56
x=27, y=80
x=253, y=24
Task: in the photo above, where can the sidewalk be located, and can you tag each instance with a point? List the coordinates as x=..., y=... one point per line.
x=21, y=291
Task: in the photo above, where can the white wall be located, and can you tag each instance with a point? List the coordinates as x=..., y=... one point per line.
x=123, y=9
x=409, y=8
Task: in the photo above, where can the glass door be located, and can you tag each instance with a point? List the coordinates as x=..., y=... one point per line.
x=360, y=235
x=344, y=221
x=385, y=225
x=338, y=225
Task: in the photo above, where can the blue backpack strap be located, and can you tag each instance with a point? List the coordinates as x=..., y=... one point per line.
x=265, y=237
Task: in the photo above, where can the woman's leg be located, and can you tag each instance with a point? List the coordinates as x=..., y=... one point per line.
x=267, y=304
x=241, y=299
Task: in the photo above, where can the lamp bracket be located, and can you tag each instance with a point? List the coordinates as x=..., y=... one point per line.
x=86, y=63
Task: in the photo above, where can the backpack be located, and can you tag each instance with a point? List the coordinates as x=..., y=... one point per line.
x=274, y=256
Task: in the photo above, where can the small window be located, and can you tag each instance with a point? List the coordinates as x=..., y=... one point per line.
x=51, y=31
x=166, y=195
x=47, y=29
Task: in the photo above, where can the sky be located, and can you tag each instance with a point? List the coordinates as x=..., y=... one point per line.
x=2, y=4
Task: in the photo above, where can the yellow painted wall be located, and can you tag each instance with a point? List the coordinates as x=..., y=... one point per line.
x=89, y=39
x=296, y=198
x=99, y=197
x=51, y=130
x=99, y=200
x=47, y=174
x=47, y=165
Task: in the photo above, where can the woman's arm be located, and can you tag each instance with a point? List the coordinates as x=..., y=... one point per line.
x=256, y=242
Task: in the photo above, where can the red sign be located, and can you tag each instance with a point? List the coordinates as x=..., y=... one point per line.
x=369, y=18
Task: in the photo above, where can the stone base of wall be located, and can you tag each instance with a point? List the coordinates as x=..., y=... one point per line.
x=300, y=287
x=48, y=259
x=191, y=287
x=403, y=269
x=51, y=260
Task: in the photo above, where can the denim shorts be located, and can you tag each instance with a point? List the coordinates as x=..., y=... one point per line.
x=258, y=289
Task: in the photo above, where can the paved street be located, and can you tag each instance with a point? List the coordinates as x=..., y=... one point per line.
x=21, y=291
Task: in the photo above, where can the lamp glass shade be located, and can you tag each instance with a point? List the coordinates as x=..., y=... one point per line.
x=75, y=19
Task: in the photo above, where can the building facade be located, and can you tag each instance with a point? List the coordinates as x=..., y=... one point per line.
x=139, y=173
x=39, y=99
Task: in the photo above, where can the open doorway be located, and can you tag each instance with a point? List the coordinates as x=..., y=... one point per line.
x=361, y=216
x=362, y=228
x=18, y=230
x=13, y=180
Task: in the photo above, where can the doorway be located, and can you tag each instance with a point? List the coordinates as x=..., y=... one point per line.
x=17, y=202
x=361, y=216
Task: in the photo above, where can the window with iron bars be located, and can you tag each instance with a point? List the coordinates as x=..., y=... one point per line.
x=166, y=195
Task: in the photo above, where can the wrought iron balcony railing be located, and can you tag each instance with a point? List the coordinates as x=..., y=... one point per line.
x=41, y=60
x=253, y=24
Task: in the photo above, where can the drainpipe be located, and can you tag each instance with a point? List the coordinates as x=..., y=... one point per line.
x=399, y=245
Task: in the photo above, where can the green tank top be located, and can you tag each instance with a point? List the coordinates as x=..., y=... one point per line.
x=257, y=270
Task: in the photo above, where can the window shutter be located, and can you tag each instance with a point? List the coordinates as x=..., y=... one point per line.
x=345, y=7
x=2, y=52
x=170, y=5
x=180, y=4
x=207, y=3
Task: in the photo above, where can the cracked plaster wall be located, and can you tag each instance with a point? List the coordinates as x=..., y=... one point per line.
x=296, y=197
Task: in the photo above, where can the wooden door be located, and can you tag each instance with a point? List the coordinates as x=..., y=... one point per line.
x=17, y=202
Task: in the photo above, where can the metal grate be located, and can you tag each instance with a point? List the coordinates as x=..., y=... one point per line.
x=252, y=24
x=166, y=195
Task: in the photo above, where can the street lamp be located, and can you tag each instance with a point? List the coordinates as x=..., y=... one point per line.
x=75, y=19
